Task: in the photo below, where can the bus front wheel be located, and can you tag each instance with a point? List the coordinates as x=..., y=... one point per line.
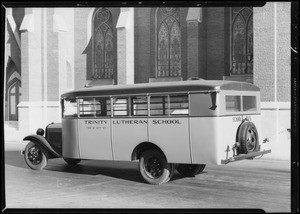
x=35, y=156
x=154, y=167
x=190, y=170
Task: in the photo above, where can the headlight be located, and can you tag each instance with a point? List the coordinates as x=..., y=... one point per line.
x=40, y=131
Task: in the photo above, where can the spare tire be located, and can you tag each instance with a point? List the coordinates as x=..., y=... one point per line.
x=248, y=138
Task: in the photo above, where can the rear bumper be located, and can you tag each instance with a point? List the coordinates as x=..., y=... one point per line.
x=245, y=156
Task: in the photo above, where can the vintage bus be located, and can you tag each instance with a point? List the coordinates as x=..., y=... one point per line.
x=180, y=125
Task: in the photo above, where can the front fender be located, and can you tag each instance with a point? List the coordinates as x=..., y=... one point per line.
x=41, y=141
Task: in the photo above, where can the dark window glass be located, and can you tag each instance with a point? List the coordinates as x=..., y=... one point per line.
x=102, y=106
x=103, y=44
x=168, y=47
x=242, y=40
x=249, y=103
x=158, y=105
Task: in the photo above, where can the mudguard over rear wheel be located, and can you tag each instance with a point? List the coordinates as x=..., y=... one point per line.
x=190, y=170
x=36, y=157
x=154, y=167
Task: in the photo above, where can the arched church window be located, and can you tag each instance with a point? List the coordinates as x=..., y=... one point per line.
x=168, y=45
x=242, y=40
x=102, y=44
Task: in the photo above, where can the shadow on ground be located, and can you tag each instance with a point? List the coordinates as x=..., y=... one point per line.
x=116, y=169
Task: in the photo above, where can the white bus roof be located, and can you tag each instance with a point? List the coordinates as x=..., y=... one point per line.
x=162, y=87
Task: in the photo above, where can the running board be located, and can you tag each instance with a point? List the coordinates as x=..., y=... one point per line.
x=245, y=156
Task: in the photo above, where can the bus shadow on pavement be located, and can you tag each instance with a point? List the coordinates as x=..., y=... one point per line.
x=124, y=170
x=115, y=169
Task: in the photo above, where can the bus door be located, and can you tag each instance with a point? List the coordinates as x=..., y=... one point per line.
x=169, y=126
x=128, y=132
x=94, y=129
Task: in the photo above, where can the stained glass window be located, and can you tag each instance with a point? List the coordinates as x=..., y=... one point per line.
x=168, y=47
x=242, y=40
x=102, y=45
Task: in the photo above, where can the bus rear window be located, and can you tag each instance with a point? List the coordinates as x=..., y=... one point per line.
x=249, y=103
x=70, y=108
x=233, y=103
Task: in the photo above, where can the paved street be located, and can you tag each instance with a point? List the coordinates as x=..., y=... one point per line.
x=261, y=184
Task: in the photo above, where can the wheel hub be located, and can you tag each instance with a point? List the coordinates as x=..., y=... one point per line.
x=154, y=167
x=34, y=155
x=251, y=140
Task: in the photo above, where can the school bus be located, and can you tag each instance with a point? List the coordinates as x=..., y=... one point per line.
x=180, y=125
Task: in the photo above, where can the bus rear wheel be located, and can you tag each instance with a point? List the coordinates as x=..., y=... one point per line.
x=190, y=170
x=154, y=167
x=36, y=157
x=72, y=161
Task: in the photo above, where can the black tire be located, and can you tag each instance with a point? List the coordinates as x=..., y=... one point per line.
x=154, y=167
x=248, y=138
x=72, y=161
x=190, y=170
x=36, y=157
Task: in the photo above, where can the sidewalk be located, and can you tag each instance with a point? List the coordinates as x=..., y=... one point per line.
x=14, y=138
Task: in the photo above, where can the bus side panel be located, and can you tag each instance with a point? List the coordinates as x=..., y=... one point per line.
x=95, y=139
x=70, y=147
x=126, y=135
x=172, y=136
x=204, y=139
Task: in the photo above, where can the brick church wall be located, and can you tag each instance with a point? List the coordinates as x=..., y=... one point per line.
x=215, y=43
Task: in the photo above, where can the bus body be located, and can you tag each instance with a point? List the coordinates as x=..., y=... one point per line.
x=189, y=123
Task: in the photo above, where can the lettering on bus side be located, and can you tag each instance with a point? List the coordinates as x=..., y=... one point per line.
x=166, y=121
x=237, y=119
x=132, y=122
x=91, y=122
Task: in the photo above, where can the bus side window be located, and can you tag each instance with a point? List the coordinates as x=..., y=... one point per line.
x=179, y=105
x=69, y=108
x=120, y=106
x=139, y=106
x=158, y=105
x=86, y=107
x=102, y=106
